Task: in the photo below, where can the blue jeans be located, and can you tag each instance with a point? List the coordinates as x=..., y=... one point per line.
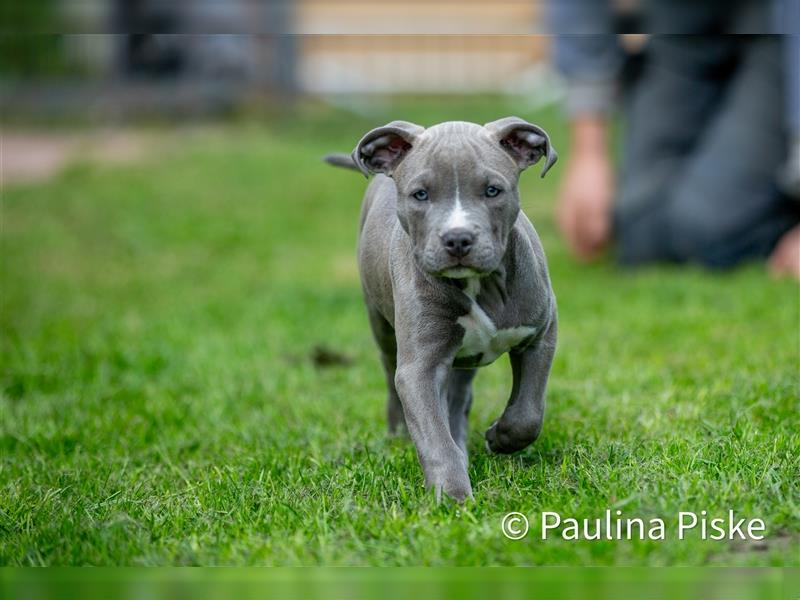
x=704, y=139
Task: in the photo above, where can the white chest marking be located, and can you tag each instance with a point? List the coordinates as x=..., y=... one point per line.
x=481, y=336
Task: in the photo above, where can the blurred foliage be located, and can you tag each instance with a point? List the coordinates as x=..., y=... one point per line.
x=29, y=43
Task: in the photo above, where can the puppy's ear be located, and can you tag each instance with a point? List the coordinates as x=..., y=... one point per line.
x=525, y=142
x=382, y=149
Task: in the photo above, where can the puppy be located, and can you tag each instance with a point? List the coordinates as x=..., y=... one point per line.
x=454, y=275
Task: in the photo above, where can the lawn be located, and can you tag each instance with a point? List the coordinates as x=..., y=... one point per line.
x=188, y=377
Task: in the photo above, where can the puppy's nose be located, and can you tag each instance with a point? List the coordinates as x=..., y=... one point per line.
x=458, y=242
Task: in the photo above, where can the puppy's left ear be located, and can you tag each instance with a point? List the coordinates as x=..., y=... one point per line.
x=525, y=142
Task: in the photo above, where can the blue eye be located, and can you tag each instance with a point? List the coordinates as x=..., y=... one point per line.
x=421, y=195
x=492, y=191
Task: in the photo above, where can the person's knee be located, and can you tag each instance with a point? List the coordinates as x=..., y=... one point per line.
x=640, y=238
x=698, y=236
x=672, y=232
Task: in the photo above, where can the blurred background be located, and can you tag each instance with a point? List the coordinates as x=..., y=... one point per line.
x=118, y=62
x=188, y=64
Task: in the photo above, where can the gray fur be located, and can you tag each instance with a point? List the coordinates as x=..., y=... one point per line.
x=419, y=291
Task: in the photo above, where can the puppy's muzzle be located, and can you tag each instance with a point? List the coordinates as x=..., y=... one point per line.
x=458, y=242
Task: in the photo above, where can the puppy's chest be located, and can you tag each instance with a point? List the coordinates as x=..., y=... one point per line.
x=483, y=340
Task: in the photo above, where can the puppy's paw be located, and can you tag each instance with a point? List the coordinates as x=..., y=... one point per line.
x=505, y=439
x=458, y=492
x=454, y=483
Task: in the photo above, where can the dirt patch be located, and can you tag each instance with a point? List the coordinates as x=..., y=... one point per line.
x=324, y=357
x=30, y=157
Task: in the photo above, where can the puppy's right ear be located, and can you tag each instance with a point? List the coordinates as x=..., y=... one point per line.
x=382, y=149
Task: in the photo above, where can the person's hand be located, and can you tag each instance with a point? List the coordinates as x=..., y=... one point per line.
x=785, y=258
x=587, y=191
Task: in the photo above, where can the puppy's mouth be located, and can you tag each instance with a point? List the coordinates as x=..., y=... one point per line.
x=460, y=272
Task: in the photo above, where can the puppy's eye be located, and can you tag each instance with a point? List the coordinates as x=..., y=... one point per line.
x=492, y=191
x=421, y=195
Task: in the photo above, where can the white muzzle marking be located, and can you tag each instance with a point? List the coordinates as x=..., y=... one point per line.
x=457, y=219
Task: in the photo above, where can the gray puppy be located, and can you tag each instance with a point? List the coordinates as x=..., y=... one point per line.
x=454, y=275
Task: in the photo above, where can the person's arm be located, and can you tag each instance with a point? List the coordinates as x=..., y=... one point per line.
x=587, y=189
x=586, y=53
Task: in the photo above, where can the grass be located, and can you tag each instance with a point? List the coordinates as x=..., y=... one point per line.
x=159, y=404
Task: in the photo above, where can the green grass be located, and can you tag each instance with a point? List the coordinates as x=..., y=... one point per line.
x=159, y=404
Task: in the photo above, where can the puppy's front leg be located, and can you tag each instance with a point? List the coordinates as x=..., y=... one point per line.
x=421, y=385
x=521, y=421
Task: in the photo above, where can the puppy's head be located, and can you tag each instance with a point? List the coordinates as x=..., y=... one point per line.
x=457, y=195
